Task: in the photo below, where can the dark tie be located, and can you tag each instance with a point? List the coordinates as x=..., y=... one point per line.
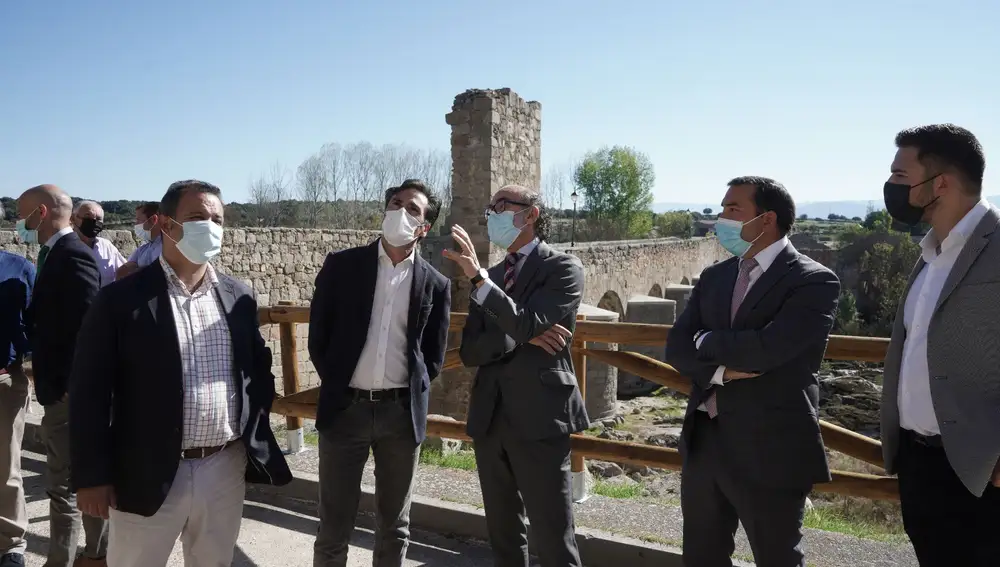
x=739, y=292
x=508, y=274
x=43, y=253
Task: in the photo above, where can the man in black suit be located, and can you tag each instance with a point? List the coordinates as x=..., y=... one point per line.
x=751, y=339
x=67, y=281
x=378, y=330
x=171, y=396
x=525, y=401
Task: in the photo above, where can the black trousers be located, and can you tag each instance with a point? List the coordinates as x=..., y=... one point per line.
x=714, y=501
x=947, y=525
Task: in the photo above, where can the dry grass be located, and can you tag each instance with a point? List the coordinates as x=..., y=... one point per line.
x=872, y=519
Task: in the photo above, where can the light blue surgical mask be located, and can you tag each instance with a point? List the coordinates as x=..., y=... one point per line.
x=501, y=230
x=201, y=242
x=27, y=235
x=729, y=232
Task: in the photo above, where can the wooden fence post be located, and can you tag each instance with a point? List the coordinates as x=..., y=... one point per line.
x=578, y=465
x=290, y=380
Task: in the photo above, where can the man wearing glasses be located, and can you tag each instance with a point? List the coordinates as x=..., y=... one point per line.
x=525, y=402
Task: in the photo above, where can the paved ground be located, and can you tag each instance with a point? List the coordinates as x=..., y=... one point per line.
x=274, y=533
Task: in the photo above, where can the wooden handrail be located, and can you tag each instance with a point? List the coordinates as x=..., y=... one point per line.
x=303, y=404
x=840, y=347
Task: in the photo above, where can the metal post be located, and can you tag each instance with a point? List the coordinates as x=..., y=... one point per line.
x=290, y=379
x=572, y=237
x=578, y=465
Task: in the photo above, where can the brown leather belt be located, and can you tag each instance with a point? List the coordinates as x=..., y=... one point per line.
x=202, y=452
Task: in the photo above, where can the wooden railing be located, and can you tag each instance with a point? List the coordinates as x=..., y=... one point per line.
x=296, y=405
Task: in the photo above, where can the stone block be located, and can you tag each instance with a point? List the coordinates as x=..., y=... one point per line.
x=645, y=309
x=602, y=379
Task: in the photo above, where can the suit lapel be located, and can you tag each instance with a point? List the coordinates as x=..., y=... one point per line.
x=529, y=270
x=163, y=314
x=967, y=257
x=416, y=295
x=723, y=295
x=367, y=280
x=782, y=265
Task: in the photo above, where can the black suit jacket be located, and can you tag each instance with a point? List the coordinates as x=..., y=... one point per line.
x=64, y=289
x=126, y=396
x=768, y=425
x=338, y=328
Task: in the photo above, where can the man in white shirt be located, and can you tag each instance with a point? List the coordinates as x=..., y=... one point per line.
x=88, y=221
x=941, y=390
x=378, y=329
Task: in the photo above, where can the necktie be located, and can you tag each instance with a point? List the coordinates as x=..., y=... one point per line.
x=508, y=274
x=739, y=292
x=43, y=253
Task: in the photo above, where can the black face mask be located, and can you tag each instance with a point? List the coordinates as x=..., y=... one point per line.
x=91, y=227
x=897, y=202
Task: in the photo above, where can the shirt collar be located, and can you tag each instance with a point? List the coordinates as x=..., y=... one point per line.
x=959, y=235
x=55, y=237
x=527, y=249
x=384, y=256
x=209, y=282
x=766, y=256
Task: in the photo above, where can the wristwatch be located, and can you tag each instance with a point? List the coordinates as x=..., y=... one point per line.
x=479, y=277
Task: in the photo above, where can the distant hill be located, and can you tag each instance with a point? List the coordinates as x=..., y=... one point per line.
x=815, y=209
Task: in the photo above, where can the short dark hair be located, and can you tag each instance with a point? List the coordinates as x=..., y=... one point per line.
x=433, y=201
x=769, y=195
x=172, y=198
x=149, y=208
x=947, y=146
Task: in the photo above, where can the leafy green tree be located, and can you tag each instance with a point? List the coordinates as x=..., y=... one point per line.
x=675, y=223
x=885, y=269
x=617, y=186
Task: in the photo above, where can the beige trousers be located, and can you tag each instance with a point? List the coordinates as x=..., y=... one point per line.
x=13, y=514
x=204, y=507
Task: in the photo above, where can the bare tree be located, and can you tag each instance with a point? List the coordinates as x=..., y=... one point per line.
x=270, y=192
x=332, y=156
x=311, y=183
x=557, y=185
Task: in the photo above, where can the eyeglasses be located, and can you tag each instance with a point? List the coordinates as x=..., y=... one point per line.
x=501, y=206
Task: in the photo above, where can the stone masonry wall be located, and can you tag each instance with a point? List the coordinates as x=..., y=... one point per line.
x=281, y=264
x=495, y=141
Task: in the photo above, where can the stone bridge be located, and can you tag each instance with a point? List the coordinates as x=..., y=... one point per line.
x=495, y=141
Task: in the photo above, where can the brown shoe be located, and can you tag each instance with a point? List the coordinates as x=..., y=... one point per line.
x=88, y=562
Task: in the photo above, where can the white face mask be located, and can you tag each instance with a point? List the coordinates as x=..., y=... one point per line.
x=201, y=242
x=399, y=228
x=141, y=233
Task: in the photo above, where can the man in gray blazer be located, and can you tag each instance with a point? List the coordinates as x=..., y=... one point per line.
x=751, y=339
x=941, y=389
x=525, y=401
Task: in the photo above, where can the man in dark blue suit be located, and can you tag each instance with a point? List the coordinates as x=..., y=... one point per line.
x=378, y=330
x=67, y=282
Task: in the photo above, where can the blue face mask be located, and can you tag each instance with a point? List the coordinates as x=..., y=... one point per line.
x=501, y=230
x=27, y=235
x=729, y=232
x=201, y=242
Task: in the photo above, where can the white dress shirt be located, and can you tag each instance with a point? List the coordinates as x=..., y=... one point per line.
x=764, y=260
x=916, y=409
x=384, y=361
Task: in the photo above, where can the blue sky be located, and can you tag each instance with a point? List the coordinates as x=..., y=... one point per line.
x=115, y=99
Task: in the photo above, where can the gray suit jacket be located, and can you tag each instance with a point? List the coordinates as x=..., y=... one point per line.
x=539, y=391
x=963, y=358
x=768, y=426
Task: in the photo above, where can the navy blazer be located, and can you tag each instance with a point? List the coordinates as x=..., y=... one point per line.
x=126, y=394
x=338, y=328
x=64, y=289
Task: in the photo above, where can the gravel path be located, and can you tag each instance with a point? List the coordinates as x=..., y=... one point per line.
x=646, y=520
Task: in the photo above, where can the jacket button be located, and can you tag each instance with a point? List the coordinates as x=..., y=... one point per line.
x=940, y=377
x=948, y=422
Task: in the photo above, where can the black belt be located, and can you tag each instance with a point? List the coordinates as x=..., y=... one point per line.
x=379, y=395
x=202, y=452
x=933, y=441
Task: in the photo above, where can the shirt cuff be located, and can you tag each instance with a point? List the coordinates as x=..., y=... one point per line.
x=701, y=339
x=479, y=294
x=717, y=377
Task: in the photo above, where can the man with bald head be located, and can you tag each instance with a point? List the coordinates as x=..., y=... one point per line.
x=66, y=284
x=88, y=221
x=525, y=401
